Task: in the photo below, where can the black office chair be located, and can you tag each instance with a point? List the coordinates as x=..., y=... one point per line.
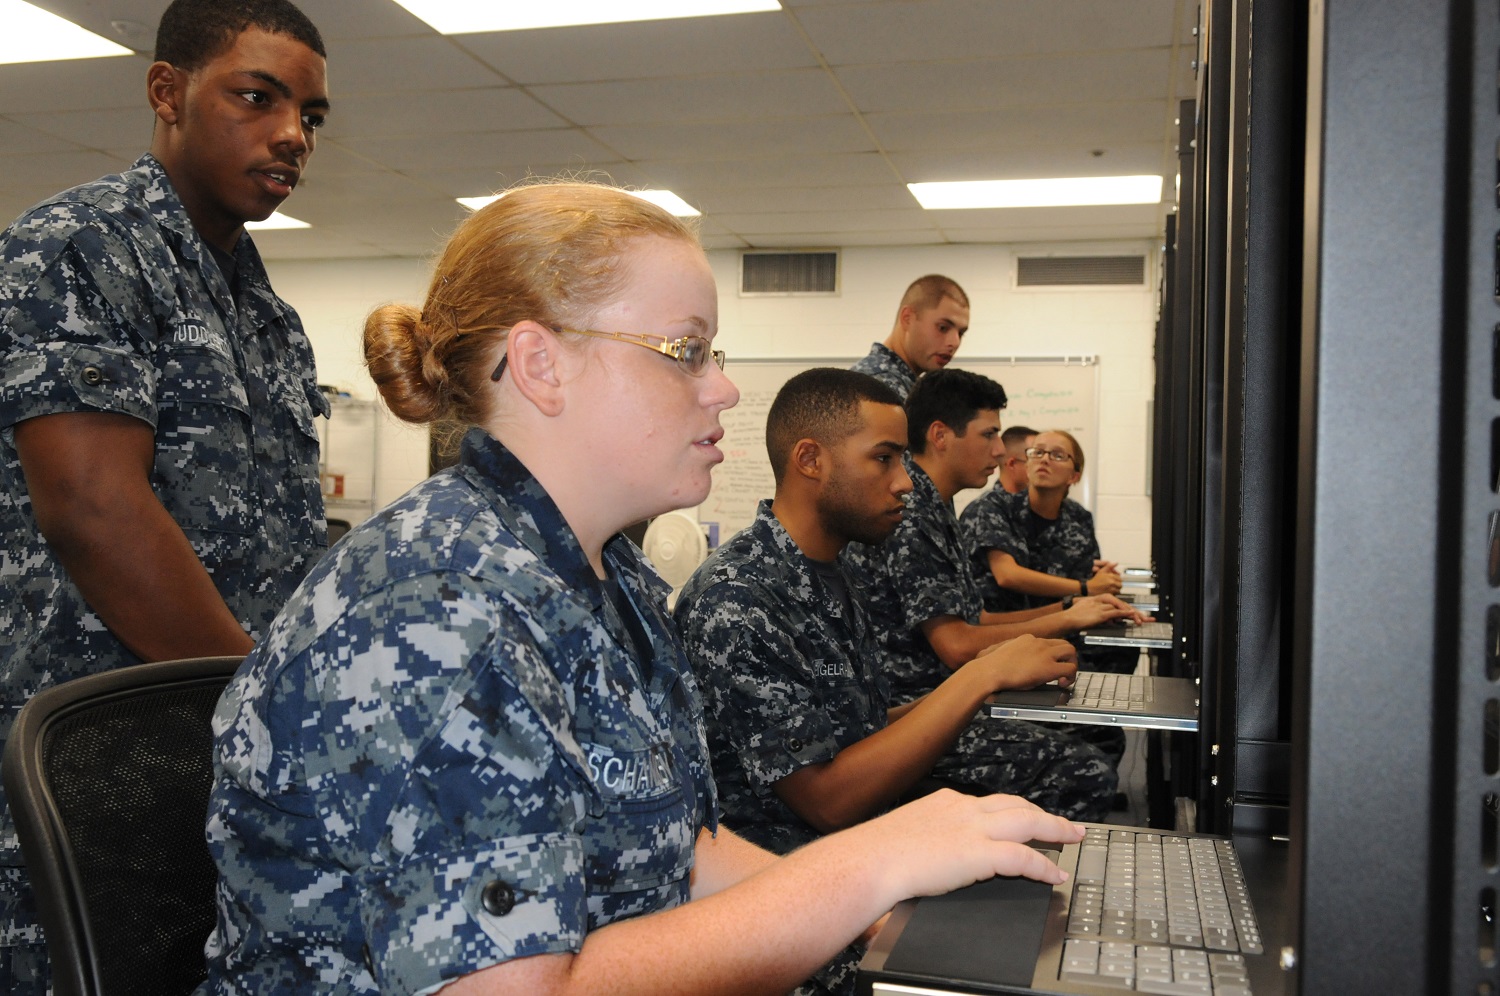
x=108, y=780
x=336, y=530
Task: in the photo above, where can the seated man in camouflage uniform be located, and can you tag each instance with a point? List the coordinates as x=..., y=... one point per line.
x=801, y=737
x=924, y=603
x=930, y=324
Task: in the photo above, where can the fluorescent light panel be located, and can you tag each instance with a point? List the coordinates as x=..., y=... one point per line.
x=277, y=220
x=661, y=198
x=35, y=35
x=457, y=17
x=1080, y=191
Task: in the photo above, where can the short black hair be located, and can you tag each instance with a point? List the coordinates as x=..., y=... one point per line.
x=193, y=32
x=821, y=403
x=1016, y=434
x=952, y=397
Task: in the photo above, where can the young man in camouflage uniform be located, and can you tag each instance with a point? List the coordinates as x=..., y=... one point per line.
x=802, y=738
x=1012, y=477
x=930, y=325
x=924, y=603
x=158, y=456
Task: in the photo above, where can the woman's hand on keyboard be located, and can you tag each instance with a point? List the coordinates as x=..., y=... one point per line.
x=946, y=840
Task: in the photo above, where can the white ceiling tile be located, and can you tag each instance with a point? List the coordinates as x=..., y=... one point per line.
x=1137, y=74
x=826, y=240
x=492, y=150
x=884, y=33
x=1025, y=163
x=732, y=140
x=644, y=50
x=747, y=200
x=397, y=65
x=791, y=170
x=726, y=97
x=428, y=112
x=74, y=85
x=913, y=219
x=17, y=139
x=1094, y=125
x=45, y=174
x=98, y=129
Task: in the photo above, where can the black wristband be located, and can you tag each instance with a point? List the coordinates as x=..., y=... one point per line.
x=1068, y=602
x=1083, y=587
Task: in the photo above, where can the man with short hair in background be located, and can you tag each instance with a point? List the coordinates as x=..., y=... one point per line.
x=1012, y=478
x=159, y=493
x=930, y=323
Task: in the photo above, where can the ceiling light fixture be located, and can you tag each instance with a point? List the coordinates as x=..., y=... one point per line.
x=661, y=198
x=276, y=221
x=36, y=35
x=1083, y=191
x=457, y=17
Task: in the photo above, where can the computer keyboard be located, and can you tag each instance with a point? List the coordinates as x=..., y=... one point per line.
x=1114, y=692
x=1160, y=913
x=1153, y=630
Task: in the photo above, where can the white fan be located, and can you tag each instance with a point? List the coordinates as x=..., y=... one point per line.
x=675, y=545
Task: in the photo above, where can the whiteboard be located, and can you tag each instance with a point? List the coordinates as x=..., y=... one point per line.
x=1044, y=392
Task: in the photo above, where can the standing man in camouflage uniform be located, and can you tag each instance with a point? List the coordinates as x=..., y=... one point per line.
x=930, y=325
x=924, y=602
x=796, y=705
x=158, y=455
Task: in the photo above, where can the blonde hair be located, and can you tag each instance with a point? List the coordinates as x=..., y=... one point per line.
x=548, y=252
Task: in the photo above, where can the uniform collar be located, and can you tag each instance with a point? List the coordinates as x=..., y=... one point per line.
x=801, y=575
x=530, y=514
x=170, y=216
x=922, y=487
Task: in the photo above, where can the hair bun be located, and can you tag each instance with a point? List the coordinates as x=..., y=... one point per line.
x=397, y=350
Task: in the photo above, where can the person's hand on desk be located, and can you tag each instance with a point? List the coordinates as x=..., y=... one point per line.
x=981, y=836
x=1106, y=579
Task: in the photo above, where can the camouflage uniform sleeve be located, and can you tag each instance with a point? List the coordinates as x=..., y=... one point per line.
x=444, y=763
x=987, y=526
x=756, y=683
x=929, y=583
x=75, y=337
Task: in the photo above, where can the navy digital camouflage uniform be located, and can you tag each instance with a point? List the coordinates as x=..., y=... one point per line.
x=882, y=363
x=1067, y=548
x=790, y=674
x=921, y=573
x=452, y=750
x=111, y=302
x=789, y=678
x=997, y=520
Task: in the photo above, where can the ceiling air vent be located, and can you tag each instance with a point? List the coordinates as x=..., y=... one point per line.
x=1080, y=271
x=789, y=273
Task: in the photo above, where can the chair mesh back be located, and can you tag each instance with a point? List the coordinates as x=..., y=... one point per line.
x=130, y=779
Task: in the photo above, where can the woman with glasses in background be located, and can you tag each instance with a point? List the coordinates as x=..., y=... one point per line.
x=1038, y=546
x=469, y=754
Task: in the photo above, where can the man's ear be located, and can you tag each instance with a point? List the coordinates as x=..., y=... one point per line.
x=165, y=86
x=809, y=460
x=532, y=356
x=938, y=435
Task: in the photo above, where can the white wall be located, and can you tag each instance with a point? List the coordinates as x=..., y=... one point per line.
x=1116, y=325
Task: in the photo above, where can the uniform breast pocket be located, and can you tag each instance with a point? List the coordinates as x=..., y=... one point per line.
x=643, y=820
x=205, y=468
